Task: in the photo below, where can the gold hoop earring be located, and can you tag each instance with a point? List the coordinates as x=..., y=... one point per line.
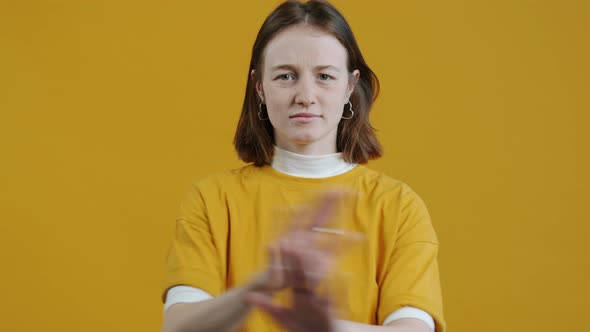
x=351, y=112
x=260, y=112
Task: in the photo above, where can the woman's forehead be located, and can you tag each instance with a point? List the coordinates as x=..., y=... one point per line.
x=305, y=46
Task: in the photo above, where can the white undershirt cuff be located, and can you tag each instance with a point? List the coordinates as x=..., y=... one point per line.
x=185, y=294
x=410, y=312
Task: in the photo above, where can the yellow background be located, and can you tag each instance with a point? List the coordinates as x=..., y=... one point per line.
x=109, y=109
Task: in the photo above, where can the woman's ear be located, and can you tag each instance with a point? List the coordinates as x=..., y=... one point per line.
x=257, y=85
x=353, y=79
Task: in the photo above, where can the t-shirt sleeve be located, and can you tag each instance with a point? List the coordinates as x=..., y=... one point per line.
x=410, y=274
x=193, y=258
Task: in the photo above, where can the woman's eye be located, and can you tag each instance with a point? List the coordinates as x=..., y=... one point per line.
x=285, y=77
x=324, y=77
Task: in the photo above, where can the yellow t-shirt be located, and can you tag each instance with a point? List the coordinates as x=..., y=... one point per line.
x=227, y=220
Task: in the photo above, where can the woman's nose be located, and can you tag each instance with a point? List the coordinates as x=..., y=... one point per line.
x=305, y=94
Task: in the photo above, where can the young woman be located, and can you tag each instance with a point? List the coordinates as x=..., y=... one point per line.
x=271, y=235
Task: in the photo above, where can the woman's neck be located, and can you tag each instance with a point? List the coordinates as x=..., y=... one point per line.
x=322, y=147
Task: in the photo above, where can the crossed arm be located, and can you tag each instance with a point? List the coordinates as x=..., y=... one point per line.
x=296, y=263
x=227, y=312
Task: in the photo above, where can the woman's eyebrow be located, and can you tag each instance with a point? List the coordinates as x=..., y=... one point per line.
x=283, y=67
x=328, y=67
x=294, y=68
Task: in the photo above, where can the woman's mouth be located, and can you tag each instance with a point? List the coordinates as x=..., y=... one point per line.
x=303, y=115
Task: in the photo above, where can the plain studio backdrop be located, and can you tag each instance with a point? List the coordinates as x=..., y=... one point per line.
x=110, y=109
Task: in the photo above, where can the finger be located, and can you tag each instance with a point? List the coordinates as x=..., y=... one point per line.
x=300, y=218
x=304, y=267
x=286, y=252
x=297, y=273
x=276, y=279
x=308, y=219
x=258, y=299
x=325, y=210
x=299, y=270
x=334, y=240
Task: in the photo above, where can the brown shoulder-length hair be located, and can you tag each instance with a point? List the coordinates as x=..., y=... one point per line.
x=356, y=137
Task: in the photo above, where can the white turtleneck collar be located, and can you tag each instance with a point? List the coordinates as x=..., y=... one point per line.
x=309, y=166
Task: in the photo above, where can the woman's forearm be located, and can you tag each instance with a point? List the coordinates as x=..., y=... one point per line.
x=401, y=325
x=224, y=313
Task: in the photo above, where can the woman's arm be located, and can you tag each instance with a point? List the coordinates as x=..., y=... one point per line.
x=224, y=313
x=228, y=311
x=311, y=311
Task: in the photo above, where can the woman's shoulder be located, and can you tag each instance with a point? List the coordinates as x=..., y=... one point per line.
x=378, y=179
x=385, y=185
x=227, y=177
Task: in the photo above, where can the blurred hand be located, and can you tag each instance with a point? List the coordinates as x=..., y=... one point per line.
x=300, y=260
x=309, y=310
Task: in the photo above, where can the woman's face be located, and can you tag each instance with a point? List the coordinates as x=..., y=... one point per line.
x=305, y=86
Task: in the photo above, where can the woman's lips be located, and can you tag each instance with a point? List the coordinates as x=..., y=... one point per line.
x=304, y=115
x=304, y=118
